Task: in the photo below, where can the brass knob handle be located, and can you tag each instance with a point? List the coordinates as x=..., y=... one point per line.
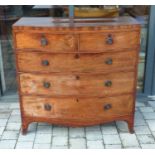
x=47, y=107
x=107, y=106
x=108, y=83
x=45, y=62
x=109, y=40
x=46, y=84
x=109, y=61
x=43, y=41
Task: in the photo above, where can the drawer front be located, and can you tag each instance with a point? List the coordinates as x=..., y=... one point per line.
x=82, y=85
x=103, y=62
x=49, y=42
x=108, y=41
x=77, y=108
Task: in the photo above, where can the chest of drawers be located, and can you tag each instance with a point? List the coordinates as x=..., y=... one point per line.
x=77, y=73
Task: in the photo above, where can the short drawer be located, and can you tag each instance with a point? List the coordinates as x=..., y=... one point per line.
x=77, y=84
x=100, y=62
x=108, y=41
x=77, y=108
x=46, y=42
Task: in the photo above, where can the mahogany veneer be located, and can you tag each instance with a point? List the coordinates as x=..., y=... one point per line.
x=76, y=72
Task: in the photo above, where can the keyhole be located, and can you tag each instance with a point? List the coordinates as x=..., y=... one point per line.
x=77, y=77
x=76, y=56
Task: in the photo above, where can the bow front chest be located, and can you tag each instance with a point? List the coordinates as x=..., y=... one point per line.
x=77, y=72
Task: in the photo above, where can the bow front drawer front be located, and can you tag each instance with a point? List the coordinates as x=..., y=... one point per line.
x=100, y=62
x=77, y=108
x=46, y=42
x=82, y=85
x=104, y=42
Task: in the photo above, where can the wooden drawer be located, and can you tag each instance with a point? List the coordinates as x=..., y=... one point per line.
x=77, y=108
x=108, y=41
x=79, y=84
x=46, y=42
x=101, y=62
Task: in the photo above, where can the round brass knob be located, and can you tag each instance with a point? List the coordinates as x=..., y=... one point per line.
x=43, y=41
x=109, y=40
x=46, y=85
x=45, y=62
x=109, y=61
x=107, y=106
x=108, y=83
x=47, y=107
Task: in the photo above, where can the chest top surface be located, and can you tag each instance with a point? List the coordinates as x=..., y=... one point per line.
x=29, y=23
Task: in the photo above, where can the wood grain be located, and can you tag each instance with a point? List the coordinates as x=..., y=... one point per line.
x=56, y=43
x=76, y=62
x=57, y=25
x=97, y=42
x=89, y=85
x=77, y=108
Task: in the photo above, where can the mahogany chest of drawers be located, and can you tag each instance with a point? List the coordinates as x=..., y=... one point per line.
x=76, y=73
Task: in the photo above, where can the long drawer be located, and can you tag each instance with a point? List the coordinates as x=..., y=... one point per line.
x=78, y=84
x=77, y=108
x=99, y=62
x=49, y=42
